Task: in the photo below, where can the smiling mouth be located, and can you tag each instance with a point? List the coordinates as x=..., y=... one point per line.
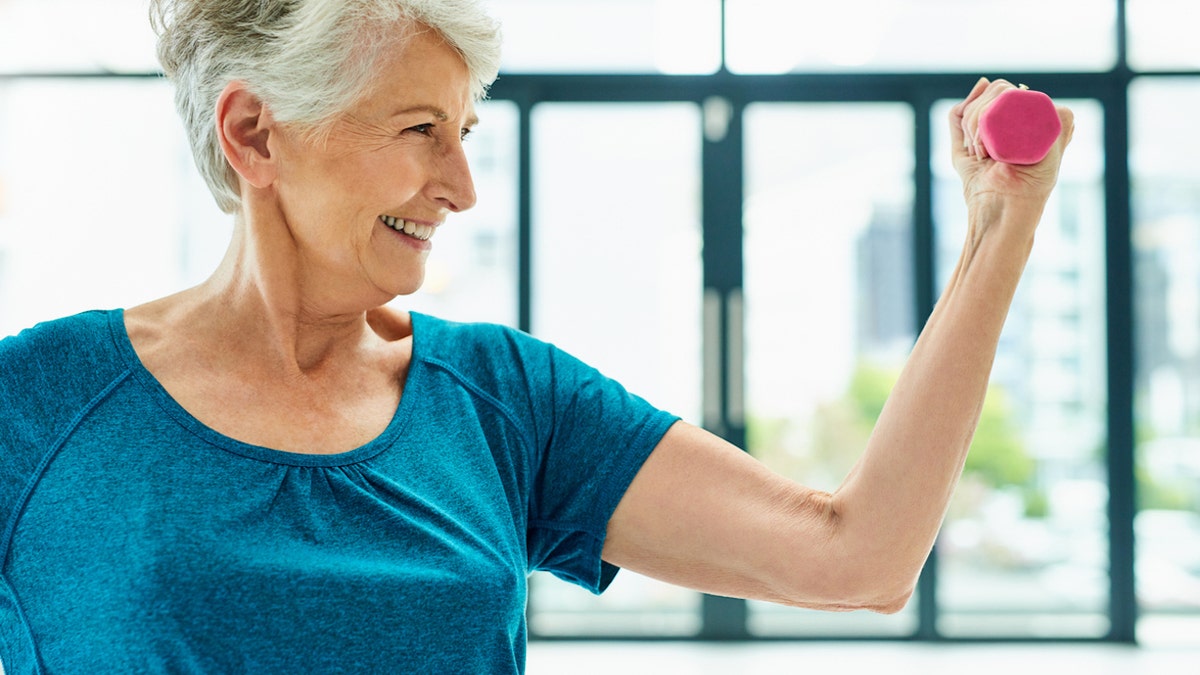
x=407, y=227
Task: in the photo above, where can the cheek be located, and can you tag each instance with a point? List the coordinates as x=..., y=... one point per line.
x=344, y=192
x=400, y=177
x=385, y=181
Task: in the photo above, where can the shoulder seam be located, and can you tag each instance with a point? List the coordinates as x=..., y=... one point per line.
x=19, y=506
x=486, y=397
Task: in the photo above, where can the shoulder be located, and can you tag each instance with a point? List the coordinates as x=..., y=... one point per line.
x=503, y=365
x=70, y=338
x=476, y=345
x=49, y=374
x=56, y=357
x=507, y=362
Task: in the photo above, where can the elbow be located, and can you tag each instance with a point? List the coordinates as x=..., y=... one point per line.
x=874, y=593
x=877, y=581
x=892, y=604
x=845, y=595
x=883, y=584
x=870, y=596
x=835, y=567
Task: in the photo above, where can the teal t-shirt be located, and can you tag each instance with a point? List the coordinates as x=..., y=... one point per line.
x=136, y=539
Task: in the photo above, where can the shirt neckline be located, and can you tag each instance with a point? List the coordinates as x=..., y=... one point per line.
x=396, y=427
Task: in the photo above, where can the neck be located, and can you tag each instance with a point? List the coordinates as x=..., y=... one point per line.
x=266, y=301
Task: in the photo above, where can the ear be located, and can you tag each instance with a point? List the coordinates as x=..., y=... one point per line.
x=244, y=126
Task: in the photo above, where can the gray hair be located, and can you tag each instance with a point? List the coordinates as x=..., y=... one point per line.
x=308, y=60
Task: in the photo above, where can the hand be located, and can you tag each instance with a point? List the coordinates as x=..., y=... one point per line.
x=987, y=182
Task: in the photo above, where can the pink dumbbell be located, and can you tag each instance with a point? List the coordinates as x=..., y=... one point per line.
x=1019, y=127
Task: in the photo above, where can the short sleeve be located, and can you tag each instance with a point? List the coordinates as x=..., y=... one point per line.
x=595, y=439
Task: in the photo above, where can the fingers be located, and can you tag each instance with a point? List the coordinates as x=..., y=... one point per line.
x=961, y=133
x=958, y=143
x=976, y=91
x=959, y=140
x=1067, y=117
x=965, y=115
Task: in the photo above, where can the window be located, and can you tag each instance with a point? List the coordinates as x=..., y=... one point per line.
x=76, y=36
x=1166, y=249
x=606, y=36
x=78, y=227
x=1161, y=35
x=779, y=36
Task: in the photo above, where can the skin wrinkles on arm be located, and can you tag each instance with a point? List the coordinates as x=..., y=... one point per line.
x=704, y=514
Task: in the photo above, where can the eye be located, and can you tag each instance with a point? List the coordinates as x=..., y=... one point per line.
x=423, y=129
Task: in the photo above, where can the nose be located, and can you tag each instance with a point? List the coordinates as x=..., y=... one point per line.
x=453, y=185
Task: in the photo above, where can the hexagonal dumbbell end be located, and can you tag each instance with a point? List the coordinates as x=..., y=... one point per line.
x=1019, y=127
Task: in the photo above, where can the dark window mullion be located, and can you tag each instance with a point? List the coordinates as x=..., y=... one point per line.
x=524, y=213
x=925, y=290
x=721, y=218
x=1122, y=500
x=1122, y=495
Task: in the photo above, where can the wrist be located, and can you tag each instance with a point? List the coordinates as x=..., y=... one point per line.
x=1000, y=216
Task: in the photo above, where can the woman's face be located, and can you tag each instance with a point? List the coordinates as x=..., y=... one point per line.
x=363, y=203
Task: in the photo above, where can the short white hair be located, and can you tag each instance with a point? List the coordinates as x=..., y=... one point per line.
x=308, y=60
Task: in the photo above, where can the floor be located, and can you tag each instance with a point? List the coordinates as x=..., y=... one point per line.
x=557, y=658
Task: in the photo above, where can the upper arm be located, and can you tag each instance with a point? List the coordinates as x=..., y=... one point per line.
x=703, y=514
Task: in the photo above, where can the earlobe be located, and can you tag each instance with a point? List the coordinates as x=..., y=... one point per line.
x=244, y=125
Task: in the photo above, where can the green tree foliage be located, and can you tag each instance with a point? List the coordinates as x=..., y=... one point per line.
x=837, y=432
x=997, y=454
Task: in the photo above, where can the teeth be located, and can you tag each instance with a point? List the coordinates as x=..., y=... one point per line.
x=414, y=230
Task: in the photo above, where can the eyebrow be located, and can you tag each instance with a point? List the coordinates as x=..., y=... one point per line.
x=436, y=112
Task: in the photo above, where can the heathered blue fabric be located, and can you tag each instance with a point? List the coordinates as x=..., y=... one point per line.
x=135, y=539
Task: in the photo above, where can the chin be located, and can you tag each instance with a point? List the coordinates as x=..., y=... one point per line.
x=409, y=286
x=396, y=279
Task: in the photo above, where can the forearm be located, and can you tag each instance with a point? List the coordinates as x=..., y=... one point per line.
x=891, y=505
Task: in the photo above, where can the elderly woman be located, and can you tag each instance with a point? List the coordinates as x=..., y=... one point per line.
x=275, y=472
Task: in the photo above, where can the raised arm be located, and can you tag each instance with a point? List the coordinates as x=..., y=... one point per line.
x=703, y=514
